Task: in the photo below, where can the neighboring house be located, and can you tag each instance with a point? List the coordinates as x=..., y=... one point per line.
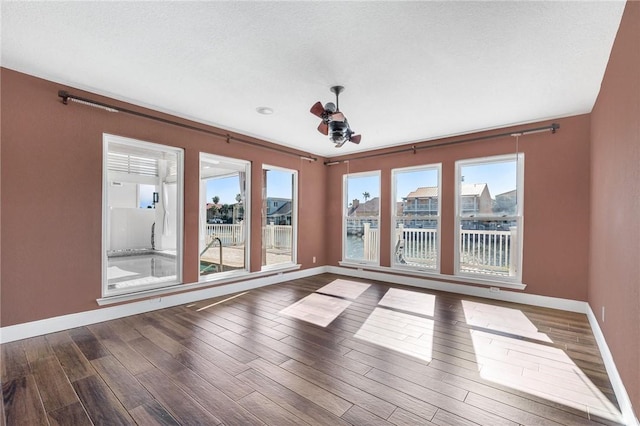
x=505, y=202
x=274, y=204
x=421, y=202
x=476, y=199
x=280, y=215
x=369, y=208
x=424, y=200
x=361, y=213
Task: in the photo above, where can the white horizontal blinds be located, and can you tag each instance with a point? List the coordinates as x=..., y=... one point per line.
x=132, y=164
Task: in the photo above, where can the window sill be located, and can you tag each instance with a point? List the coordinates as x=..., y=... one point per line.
x=163, y=291
x=454, y=279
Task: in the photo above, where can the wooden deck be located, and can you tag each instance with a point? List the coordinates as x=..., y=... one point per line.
x=356, y=352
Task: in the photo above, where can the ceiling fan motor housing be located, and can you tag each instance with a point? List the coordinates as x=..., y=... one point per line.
x=338, y=131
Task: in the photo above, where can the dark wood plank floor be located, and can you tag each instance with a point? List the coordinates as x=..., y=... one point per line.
x=392, y=355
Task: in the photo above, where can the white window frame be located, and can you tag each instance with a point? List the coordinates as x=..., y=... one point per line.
x=518, y=217
x=247, y=216
x=394, y=173
x=179, y=152
x=345, y=209
x=294, y=219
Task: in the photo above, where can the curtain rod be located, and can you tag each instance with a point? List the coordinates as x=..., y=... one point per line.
x=66, y=96
x=553, y=128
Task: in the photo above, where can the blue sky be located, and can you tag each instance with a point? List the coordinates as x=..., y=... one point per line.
x=501, y=177
x=226, y=188
x=279, y=186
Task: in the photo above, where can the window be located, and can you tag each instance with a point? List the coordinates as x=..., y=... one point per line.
x=489, y=201
x=279, y=216
x=142, y=215
x=416, y=218
x=361, y=217
x=224, y=216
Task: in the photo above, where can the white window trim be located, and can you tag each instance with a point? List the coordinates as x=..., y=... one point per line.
x=394, y=265
x=247, y=218
x=517, y=279
x=294, y=219
x=345, y=208
x=179, y=152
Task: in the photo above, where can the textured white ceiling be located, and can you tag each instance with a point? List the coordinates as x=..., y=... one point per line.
x=413, y=71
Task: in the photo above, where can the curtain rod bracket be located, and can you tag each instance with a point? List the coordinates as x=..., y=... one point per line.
x=64, y=95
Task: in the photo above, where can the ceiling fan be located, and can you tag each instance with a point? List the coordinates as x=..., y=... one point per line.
x=334, y=123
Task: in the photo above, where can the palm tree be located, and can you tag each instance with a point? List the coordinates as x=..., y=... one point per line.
x=366, y=196
x=214, y=208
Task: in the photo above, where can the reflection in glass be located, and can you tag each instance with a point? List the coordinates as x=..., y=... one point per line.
x=223, y=215
x=416, y=215
x=143, y=192
x=489, y=216
x=362, y=215
x=278, y=216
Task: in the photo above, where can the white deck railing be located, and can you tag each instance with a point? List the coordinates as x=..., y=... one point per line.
x=482, y=252
x=277, y=236
x=229, y=234
x=419, y=247
x=489, y=252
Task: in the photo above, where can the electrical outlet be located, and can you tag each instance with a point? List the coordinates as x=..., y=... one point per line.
x=603, y=314
x=314, y=259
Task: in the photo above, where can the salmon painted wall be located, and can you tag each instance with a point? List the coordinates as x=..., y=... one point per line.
x=614, y=274
x=556, y=202
x=51, y=177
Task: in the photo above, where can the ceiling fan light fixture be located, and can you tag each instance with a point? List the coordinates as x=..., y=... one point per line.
x=330, y=107
x=334, y=124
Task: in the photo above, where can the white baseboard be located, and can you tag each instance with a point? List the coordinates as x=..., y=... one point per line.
x=469, y=290
x=616, y=381
x=65, y=322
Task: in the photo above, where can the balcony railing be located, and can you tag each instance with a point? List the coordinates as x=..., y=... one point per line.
x=277, y=237
x=481, y=252
x=489, y=252
x=417, y=247
x=229, y=234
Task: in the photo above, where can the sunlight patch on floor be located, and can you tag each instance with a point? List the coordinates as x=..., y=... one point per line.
x=317, y=309
x=411, y=301
x=399, y=331
x=537, y=368
x=498, y=318
x=344, y=288
x=221, y=301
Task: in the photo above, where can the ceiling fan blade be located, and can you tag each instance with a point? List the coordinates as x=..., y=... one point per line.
x=317, y=109
x=337, y=116
x=356, y=139
x=323, y=128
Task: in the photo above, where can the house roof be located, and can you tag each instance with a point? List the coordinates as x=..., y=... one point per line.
x=424, y=192
x=283, y=210
x=474, y=189
x=460, y=66
x=372, y=205
x=468, y=189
